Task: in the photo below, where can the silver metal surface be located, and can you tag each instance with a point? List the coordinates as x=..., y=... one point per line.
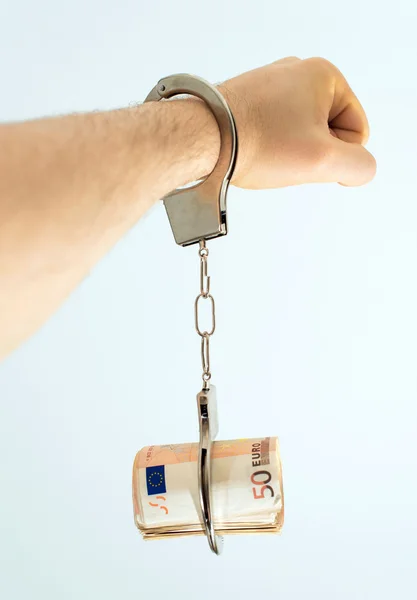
x=199, y=212
x=205, y=357
x=204, y=296
x=207, y=412
x=207, y=407
x=213, y=315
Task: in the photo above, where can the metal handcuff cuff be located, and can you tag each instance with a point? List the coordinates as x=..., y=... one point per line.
x=198, y=214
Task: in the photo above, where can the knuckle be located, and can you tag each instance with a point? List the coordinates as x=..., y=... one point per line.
x=287, y=59
x=319, y=63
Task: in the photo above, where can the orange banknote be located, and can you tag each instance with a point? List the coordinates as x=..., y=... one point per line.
x=247, y=490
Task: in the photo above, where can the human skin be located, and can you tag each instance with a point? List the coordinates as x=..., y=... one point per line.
x=72, y=186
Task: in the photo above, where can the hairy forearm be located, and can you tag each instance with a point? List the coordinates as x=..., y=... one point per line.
x=70, y=188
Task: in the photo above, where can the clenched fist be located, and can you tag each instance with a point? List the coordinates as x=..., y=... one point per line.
x=298, y=121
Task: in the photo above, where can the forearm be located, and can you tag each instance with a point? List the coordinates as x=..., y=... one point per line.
x=71, y=187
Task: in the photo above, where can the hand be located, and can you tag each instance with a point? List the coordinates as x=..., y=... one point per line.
x=298, y=121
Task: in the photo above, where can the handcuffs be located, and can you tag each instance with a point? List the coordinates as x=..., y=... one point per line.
x=197, y=214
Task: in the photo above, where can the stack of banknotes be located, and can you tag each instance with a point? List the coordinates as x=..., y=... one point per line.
x=247, y=491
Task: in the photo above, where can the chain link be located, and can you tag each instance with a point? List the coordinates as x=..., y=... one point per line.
x=204, y=295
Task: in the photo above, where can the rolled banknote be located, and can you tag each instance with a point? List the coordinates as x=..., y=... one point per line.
x=247, y=491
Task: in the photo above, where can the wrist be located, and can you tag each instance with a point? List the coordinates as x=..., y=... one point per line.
x=188, y=140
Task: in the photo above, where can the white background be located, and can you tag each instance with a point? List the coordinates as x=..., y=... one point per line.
x=317, y=328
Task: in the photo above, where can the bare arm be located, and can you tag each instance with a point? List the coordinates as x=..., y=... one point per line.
x=70, y=187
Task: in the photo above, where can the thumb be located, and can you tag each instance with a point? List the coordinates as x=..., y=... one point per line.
x=349, y=163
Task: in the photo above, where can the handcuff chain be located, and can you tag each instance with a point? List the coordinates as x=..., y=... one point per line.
x=205, y=295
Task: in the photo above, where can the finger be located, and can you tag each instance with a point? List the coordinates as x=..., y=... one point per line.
x=347, y=117
x=349, y=163
x=350, y=124
x=346, y=135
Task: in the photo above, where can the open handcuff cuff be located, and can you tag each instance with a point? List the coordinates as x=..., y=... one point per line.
x=197, y=214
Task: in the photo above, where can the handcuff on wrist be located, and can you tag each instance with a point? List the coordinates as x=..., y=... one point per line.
x=197, y=214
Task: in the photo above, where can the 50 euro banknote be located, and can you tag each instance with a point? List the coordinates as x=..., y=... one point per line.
x=247, y=489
